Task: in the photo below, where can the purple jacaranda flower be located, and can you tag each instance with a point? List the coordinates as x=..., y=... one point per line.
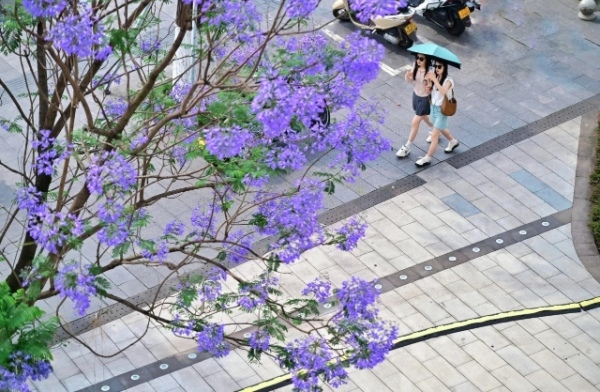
x=174, y=228
x=212, y=340
x=150, y=46
x=371, y=343
x=351, y=231
x=19, y=368
x=203, y=220
x=259, y=340
x=238, y=246
x=45, y=8
x=77, y=283
x=321, y=289
x=159, y=253
x=112, y=170
x=115, y=108
x=356, y=298
x=114, y=234
x=256, y=293
x=367, y=9
x=300, y=8
x=295, y=218
x=310, y=358
x=227, y=142
x=79, y=34
x=48, y=228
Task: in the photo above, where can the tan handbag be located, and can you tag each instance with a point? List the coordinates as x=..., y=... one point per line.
x=449, y=105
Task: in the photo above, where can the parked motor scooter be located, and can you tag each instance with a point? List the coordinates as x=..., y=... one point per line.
x=453, y=15
x=398, y=29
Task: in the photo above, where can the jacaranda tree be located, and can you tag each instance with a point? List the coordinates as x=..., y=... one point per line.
x=94, y=166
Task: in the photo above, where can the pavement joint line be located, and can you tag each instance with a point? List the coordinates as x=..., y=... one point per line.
x=387, y=283
x=116, y=311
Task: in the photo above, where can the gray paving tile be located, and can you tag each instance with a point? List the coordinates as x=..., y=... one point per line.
x=513, y=380
x=190, y=380
x=553, y=198
x=480, y=377
x=546, y=382
x=461, y=205
x=445, y=372
x=528, y=180
x=484, y=356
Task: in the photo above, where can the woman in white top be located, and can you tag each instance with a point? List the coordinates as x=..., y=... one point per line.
x=420, y=99
x=442, y=83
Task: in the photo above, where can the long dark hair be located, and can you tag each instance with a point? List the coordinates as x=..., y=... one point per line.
x=416, y=67
x=444, y=72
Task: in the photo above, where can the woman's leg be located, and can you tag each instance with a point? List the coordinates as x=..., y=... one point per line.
x=426, y=119
x=447, y=134
x=414, y=127
x=435, y=139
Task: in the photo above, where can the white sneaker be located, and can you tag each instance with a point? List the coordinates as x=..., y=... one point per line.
x=423, y=161
x=403, y=151
x=429, y=138
x=451, y=146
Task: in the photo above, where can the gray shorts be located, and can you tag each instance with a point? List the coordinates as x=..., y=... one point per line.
x=421, y=105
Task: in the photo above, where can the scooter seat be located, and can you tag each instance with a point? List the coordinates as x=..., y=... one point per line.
x=414, y=3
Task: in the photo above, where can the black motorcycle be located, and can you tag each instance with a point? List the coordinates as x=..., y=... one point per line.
x=453, y=15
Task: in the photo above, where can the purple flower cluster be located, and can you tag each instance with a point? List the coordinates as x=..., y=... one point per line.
x=278, y=101
x=367, y=9
x=80, y=34
x=356, y=139
x=311, y=357
x=356, y=298
x=111, y=170
x=150, y=46
x=294, y=217
x=203, y=220
x=351, y=231
x=212, y=340
x=49, y=152
x=115, y=108
x=371, y=344
x=259, y=340
x=174, y=228
x=241, y=18
x=255, y=294
x=301, y=8
x=77, y=283
x=49, y=229
x=20, y=367
x=159, y=253
x=321, y=289
x=370, y=338
x=238, y=246
x=227, y=142
x=44, y=8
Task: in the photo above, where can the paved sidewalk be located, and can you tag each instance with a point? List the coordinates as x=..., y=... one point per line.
x=453, y=209
x=523, y=61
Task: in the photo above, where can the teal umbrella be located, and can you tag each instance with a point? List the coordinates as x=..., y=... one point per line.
x=437, y=53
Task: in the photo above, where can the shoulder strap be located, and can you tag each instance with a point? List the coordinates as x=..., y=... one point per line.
x=450, y=93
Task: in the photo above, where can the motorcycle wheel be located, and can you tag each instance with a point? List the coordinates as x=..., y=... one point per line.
x=457, y=28
x=341, y=14
x=405, y=41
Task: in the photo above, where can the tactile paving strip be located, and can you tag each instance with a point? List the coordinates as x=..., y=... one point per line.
x=524, y=132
